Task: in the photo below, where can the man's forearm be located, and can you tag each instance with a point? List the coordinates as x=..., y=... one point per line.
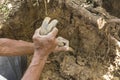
x=9, y=47
x=35, y=68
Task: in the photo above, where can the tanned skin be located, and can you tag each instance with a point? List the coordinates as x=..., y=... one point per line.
x=9, y=47
x=43, y=46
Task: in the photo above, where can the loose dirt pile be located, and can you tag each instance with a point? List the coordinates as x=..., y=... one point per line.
x=94, y=50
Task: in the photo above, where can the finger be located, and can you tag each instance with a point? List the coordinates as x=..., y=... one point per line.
x=52, y=25
x=53, y=33
x=64, y=48
x=62, y=41
x=46, y=22
x=37, y=32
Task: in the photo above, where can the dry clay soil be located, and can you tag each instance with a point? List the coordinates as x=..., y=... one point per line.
x=93, y=50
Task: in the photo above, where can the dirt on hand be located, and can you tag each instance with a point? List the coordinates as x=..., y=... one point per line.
x=94, y=50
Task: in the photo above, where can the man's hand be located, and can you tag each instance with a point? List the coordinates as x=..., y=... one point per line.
x=45, y=43
x=45, y=38
x=47, y=26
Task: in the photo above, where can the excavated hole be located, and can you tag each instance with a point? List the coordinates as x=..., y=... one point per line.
x=92, y=53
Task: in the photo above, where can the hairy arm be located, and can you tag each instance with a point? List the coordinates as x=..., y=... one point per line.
x=9, y=47
x=35, y=68
x=43, y=46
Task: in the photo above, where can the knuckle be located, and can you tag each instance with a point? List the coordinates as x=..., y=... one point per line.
x=51, y=39
x=56, y=30
x=35, y=37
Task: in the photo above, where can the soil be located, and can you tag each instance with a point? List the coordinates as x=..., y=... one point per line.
x=94, y=51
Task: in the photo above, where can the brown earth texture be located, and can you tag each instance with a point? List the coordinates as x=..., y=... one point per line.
x=94, y=51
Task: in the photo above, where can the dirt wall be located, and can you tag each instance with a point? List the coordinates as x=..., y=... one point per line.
x=93, y=49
